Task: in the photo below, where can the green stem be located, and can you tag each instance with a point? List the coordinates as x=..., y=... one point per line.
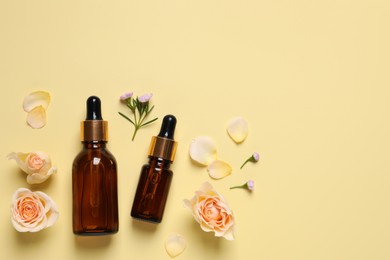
x=245, y=163
x=135, y=132
x=238, y=187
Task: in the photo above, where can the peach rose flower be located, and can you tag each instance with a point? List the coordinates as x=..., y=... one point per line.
x=37, y=165
x=211, y=211
x=32, y=211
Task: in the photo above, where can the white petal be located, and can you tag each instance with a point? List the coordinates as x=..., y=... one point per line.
x=18, y=192
x=35, y=99
x=20, y=159
x=36, y=178
x=51, y=208
x=36, y=118
x=219, y=169
x=175, y=245
x=237, y=129
x=203, y=150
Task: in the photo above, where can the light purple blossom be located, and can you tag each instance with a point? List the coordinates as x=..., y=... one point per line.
x=256, y=156
x=250, y=185
x=126, y=96
x=145, y=98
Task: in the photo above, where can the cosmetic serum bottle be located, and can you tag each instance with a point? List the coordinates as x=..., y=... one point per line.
x=94, y=178
x=155, y=178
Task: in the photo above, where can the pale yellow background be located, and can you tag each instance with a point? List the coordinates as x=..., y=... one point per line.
x=311, y=77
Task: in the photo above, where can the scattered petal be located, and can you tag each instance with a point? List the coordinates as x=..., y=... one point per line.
x=219, y=169
x=175, y=245
x=36, y=99
x=237, y=129
x=203, y=150
x=36, y=118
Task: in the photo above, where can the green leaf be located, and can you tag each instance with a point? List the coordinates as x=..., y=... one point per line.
x=131, y=121
x=151, y=121
x=151, y=109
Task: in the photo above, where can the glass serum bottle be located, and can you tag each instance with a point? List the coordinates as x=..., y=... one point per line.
x=94, y=178
x=155, y=178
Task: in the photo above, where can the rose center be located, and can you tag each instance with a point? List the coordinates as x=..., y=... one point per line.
x=212, y=212
x=36, y=162
x=29, y=210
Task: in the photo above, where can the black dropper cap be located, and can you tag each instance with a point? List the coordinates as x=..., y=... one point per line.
x=94, y=128
x=163, y=145
x=168, y=127
x=94, y=110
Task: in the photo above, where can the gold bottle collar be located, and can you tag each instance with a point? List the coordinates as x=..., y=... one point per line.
x=163, y=148
x=94, y=130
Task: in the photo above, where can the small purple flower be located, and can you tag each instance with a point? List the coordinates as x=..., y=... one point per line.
x=254, y=158
x=249, y=185
x=145, y=98
x=126, y=96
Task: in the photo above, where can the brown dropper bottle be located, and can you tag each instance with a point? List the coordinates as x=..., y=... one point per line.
x=155, y=179
x=94, y=178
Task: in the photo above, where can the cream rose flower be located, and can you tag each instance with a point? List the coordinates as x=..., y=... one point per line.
x=37, y=165
x=32, y=211
x=211, y=211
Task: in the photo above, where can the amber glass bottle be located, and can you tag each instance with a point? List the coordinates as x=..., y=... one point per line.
x=155, y=179
x=94, y=178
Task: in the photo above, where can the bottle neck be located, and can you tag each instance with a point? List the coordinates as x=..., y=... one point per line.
x=163, y=163
x=94, y=144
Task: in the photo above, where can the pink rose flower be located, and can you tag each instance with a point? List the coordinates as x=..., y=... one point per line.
x=32, y=211
x=37, y=165
x=211, y=211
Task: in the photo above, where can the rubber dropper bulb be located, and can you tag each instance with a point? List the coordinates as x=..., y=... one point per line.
x=168, y=127
x=94, y=111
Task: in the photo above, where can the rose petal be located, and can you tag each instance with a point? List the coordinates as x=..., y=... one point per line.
x=50, y=207
x=20, y=159
x=237, y=129
x=219, y=169
x=203, y=150
x=36, y=118
x=35, y=99
x=175, y=245
x=36, y=178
